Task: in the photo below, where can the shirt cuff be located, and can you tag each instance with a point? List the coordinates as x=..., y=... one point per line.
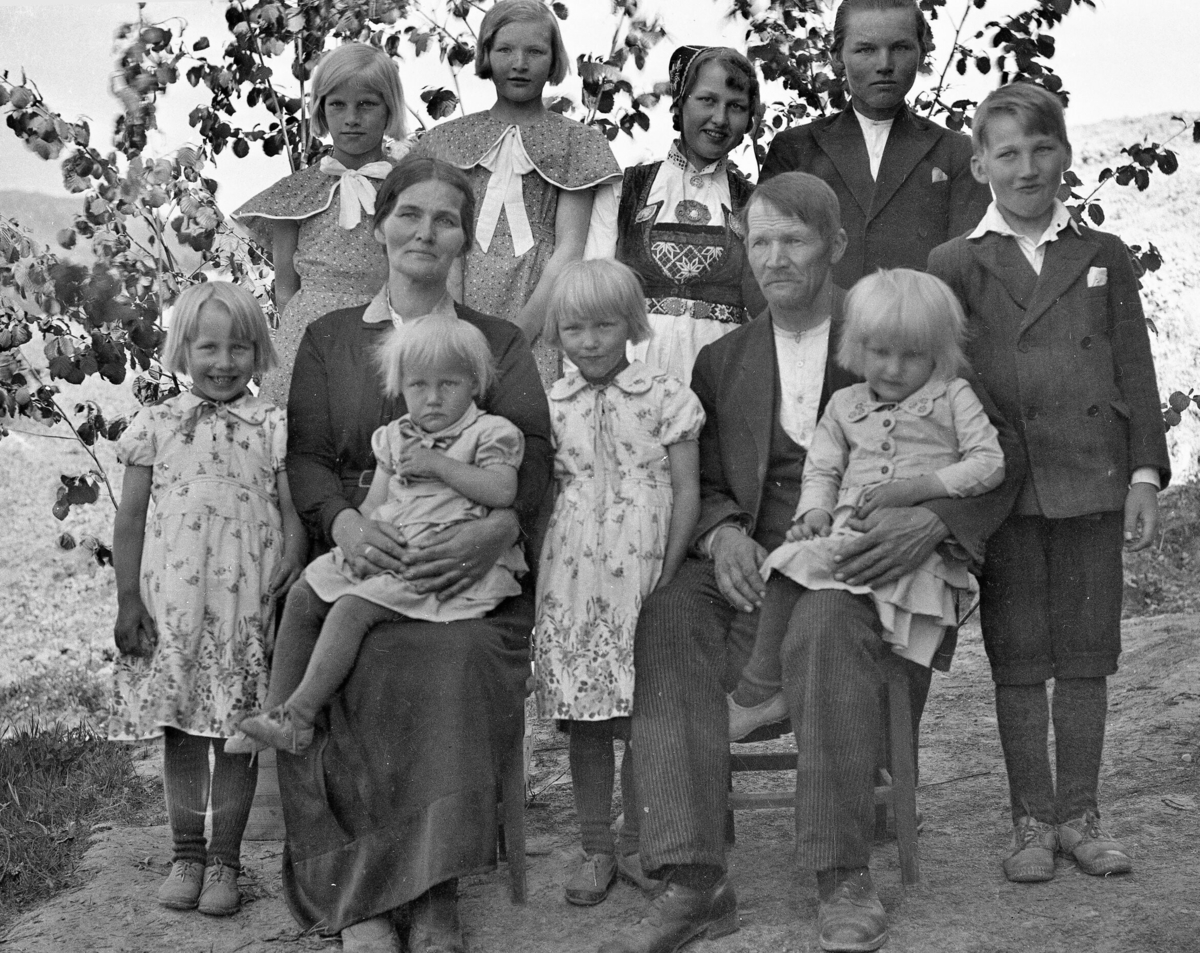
x=1146, y=475
x=706, y=543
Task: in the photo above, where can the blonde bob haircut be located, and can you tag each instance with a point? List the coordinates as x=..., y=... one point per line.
x=520, y=11
x=906, y=308
x=597, y=286
x=367, y=67
x=1037, y=110
x=417, y=346
x=249, y=323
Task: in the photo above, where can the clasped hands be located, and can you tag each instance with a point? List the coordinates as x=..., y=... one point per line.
x=896, y=538
x=447, y=564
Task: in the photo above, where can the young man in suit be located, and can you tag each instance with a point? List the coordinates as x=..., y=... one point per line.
x=1057, y=335
x=904, y=183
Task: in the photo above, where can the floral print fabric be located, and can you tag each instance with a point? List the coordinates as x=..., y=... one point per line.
x=213, y=538
x=606, y=540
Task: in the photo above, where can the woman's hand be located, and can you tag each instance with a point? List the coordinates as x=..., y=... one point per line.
x=894, y=542
x=369, y=546
x=134, y=631
x=461, y=555
x=736, y=561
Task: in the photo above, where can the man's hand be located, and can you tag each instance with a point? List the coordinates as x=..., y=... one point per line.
x=736, y=561
x=894, y=542
x=894, y=495
x=1141, y=516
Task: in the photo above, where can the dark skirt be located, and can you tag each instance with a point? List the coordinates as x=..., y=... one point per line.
x=399, y=791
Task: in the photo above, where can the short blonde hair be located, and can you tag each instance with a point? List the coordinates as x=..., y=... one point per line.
x=363, y=65
x=520, y=11
x=249, y=323
x=907, y=307
x=597, y=286
x=431, y=342
x=1037, y=110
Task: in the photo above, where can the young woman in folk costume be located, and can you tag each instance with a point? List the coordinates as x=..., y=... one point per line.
x=675, y=221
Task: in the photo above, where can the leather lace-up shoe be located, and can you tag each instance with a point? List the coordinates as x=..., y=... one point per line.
x=436, y=927
x=181, y=889
x=677, y=916
x=1094, y=851
x=1032, y=857
x=852, y=919
x=592, y=880
x=375, y=935
x=219, y=896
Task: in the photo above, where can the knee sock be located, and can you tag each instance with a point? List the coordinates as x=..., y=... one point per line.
x=185, y=783
x=299, y=628
x=592, y=769
x=1079, y=710
x=233, y=782
x=763, y=675
x=1023, y=717
x=630, y=829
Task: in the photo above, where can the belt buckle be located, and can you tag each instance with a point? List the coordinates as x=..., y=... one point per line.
x=366, y=478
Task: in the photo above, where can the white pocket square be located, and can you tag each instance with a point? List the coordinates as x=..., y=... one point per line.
x=1097, y=277
x=939, y=175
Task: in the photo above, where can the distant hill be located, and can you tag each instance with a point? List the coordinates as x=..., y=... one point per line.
x=43, y=216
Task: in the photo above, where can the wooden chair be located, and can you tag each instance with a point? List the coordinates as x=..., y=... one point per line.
x=510, y=815
x=896, y=788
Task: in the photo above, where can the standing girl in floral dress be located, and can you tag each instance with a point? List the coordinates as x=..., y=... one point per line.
x=198, y=579
x=676, y=222
x=534, y=173
x=317, y=222
x=627, y=471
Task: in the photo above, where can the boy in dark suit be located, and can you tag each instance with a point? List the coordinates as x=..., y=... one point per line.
x=1057, y=335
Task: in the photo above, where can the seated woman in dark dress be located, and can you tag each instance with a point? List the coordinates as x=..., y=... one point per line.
x=395, y=799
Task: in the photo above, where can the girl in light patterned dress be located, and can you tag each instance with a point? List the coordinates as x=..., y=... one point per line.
x=198, y=579
x=325, y=252
x=627, y=472
x=534, y=173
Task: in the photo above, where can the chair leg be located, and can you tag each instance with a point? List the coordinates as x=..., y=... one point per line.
x=904, y=772
x=512, y=793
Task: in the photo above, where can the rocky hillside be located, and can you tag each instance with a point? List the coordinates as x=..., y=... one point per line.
x=1167, y=215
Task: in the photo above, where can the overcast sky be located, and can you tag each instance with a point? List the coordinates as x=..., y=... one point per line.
x=1128, y=58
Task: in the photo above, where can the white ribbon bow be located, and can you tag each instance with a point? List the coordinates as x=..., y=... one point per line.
x=357, y=192
x=508, y=161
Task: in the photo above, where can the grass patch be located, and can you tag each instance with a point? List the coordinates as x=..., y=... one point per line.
x=57, y=784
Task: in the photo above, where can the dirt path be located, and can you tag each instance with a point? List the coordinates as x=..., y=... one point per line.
x=1150, y=793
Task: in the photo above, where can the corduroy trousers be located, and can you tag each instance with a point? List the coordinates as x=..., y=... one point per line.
x=690, y=647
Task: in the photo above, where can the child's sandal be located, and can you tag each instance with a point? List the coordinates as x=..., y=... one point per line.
x=279, y=728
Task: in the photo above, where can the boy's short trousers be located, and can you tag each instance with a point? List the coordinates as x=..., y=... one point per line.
x=1050, y=598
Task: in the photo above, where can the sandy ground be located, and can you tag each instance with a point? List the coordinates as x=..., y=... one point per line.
x=963, y=904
